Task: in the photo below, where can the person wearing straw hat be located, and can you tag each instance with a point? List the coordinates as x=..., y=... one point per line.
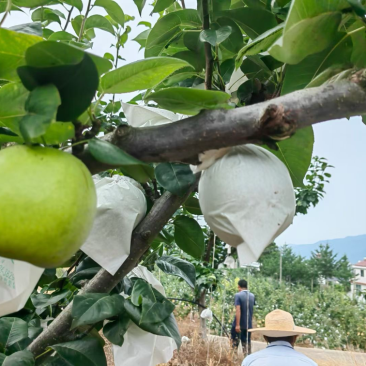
x=281, y=333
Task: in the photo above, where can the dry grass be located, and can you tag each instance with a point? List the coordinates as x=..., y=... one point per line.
x=197, y=352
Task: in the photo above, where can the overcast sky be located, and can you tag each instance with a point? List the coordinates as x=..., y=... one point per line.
x=343, y=210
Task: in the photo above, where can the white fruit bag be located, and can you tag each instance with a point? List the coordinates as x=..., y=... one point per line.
x=207, y=314
x=17, y=281
x=141, y=348
x=121, y=205
x=247, y=199
x=142, y=116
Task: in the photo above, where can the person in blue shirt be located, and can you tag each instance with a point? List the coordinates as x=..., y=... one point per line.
x=280, y=332
x=244, y=302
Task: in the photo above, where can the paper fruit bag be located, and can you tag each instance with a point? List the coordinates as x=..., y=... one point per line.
x=17, y=281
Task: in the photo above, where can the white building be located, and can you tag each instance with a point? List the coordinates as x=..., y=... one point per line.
x=358, y=285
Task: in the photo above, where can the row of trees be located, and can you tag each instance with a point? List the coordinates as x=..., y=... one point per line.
x=323, y=265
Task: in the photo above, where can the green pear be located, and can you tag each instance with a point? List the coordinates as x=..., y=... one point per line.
x=47, y=205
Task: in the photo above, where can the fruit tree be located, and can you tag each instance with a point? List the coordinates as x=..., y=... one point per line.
x=234, y=71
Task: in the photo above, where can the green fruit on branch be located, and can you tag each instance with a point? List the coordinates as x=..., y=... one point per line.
x=47, y=205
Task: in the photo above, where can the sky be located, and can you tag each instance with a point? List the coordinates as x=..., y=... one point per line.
x=342, y=212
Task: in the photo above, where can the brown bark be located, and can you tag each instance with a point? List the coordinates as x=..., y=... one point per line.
x=276, y=119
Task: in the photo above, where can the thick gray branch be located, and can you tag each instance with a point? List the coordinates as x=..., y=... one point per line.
x=103, y=282
x=274, y=119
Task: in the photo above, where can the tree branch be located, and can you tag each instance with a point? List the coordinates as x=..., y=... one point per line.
x=68, y=18
x=208, y=51
x=275, y=119
x=209, y=247
x=103, y=281
x=84, y=20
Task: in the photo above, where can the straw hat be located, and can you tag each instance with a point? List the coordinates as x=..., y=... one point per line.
x=279, y=323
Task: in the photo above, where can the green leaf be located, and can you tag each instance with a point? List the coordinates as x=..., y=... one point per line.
x=178, y=267
x=296, y=153
x=140, y=5
x=109, y=56
x=146, y=24
x=142, y=38
x=140, y=75
x=92, y=308
x=21, y=358
x=100, y=22
x=28, y=28
x=175, y=178
x=230, y=46
x=12, y=100
x=87, y=274
x=227, y=68
x=113, y=107
x=113, y=10
x=6, y=131
x=59, y=132
x=72, y=71
x=47, y=32
x=13, y=46
x=300, y=75
x=140, y=173
x=43, y=300
x=161, y=5
x=62, y=36
x=87, y=351
x=189, y=101
x=358, y=31
x=62, y=55
x=215, y=37
x=253, y=21
x=260, y=44
x=301, y=10
x=192, y=205
x=310, y=27
x=30, y=3
x=189, y=236
x=114, y=331
x=155, y=307
x=109, y=154
x=358, y=6
x=307, y=37
x=168, y=327
x=78, y=4
x=167, y=27
x=43, y=14
x=12, y=331
x=41, y=107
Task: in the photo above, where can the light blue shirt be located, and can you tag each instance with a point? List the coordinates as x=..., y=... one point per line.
x=278, y=353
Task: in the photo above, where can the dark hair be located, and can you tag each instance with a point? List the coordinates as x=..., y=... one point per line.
x=289, y=339
x=243, y=284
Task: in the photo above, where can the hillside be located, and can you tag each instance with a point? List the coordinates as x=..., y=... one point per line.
x=353, y=246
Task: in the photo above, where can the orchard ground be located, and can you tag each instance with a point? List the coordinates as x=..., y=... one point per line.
x=217, y=352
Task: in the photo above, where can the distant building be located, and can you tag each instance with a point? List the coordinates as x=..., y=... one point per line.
x=358, y=284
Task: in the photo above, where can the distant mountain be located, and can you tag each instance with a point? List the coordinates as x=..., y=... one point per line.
x=353, y=246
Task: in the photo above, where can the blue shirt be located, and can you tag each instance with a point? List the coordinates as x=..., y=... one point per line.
x=241, y=299
x=278, y=353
